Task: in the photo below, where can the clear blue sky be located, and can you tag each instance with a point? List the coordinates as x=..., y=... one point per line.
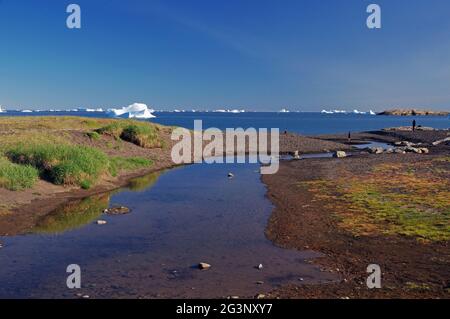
x=257, y=54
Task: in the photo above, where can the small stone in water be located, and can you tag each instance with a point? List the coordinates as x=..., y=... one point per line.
x=230, y=175
x=260, y=266
x=204, y=266
x=101, y=222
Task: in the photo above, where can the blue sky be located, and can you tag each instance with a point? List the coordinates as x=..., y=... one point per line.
x=207, y=54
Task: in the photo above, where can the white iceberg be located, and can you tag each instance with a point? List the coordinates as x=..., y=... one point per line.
x=95, y=110
x=1, y=110
x=326, y=112
x=358, y=112
x=27, y=111
x=136, y=110
x=372, y=112
x=284, y=111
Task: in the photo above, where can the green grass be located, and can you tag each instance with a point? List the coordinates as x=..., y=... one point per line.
x=127, y=163
x=62, y=164
x=17, y=177
x=93, y=135
x=142, y=134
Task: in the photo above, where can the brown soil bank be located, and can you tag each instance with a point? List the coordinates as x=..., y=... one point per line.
x=389, y=209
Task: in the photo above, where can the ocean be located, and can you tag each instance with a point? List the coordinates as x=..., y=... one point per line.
x=299, y=122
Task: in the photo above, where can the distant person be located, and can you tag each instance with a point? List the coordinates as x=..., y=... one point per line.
x=349, y=137
x=414, y=125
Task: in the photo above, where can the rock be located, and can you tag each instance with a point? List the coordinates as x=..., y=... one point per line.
x=411, y=149
x=1, y=245
x=445, y=140
x=204, y=266
x=296, y=155
x=101, y=222
x=86, y=297
x=399, y=151
x=118, y=210
x=260, y=282
x=339, y=154
x=230, y=175
x=425, y=150
x=301, y=279
x=376, y=150
x=260, y=296
x=390, y=150
x=260, y=267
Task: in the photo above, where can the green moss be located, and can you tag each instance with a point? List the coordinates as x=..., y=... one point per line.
x=17, y=177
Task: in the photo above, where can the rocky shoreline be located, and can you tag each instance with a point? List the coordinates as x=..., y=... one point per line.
x=304, y=218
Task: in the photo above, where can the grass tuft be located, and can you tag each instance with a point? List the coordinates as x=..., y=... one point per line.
x=17, y=177
x=62, y=164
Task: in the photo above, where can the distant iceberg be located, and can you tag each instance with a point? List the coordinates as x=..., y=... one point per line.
x=359, y=112
x=372, y=112
x=95, y=110
x=326, y=112
x=136, y=110
x=284, y=111
x=1, y=110
x=27, y=111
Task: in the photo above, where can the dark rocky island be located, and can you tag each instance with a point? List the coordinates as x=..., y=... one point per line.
x=414, y=112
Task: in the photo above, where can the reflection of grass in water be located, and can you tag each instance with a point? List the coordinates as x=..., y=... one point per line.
x=79, y=213
x=73, y=215
x=142, y=183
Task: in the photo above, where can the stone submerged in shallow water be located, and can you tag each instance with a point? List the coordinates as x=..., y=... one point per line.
x=204, y=266
x=339, y=154
x=101, y=222
x=376, y=150
x=118, y=210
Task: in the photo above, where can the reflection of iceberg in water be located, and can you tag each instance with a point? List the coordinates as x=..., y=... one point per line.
x=72, y=215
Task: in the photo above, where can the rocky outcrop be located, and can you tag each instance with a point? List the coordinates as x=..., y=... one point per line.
x=414, y=112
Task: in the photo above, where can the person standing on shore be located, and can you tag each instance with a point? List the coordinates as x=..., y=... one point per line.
x=414, y=125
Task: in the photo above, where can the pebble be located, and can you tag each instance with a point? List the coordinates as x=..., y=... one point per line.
x=301, y=279
x=260, y=282
x=260, y=296
x=260, y=266
x=204, y=266
x=230, y=175
x=101, y=222
x=86, y=297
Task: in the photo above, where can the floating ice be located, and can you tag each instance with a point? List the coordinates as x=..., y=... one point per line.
x=136, y=110
x=1, y=110
x=326, y=112
x=27, y=111
x=372, y=112
x=284, y=111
